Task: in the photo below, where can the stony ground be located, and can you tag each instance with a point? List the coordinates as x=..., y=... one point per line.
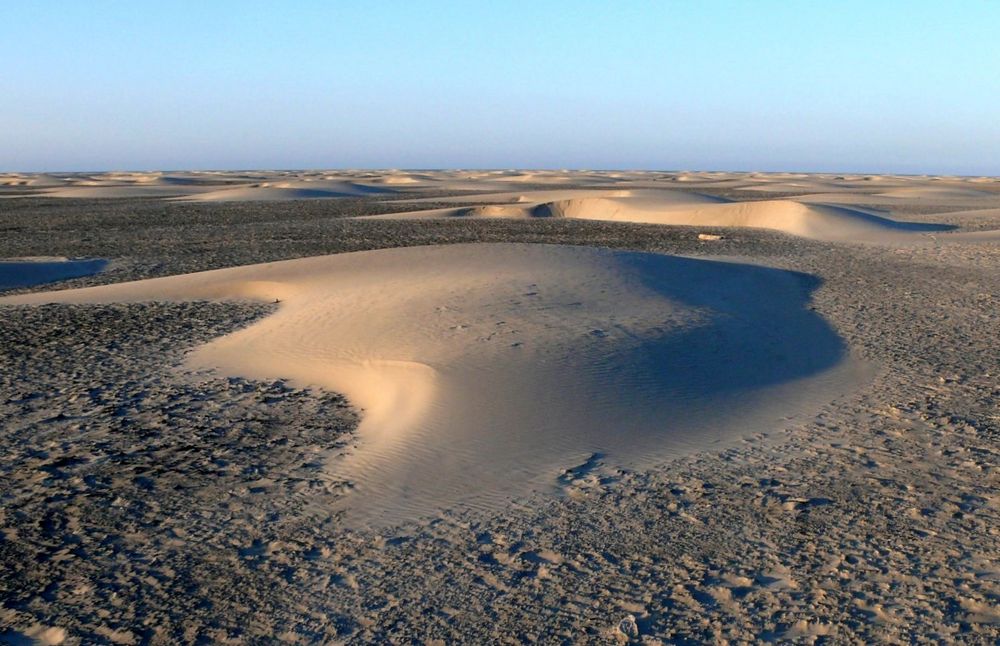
x=142, y=504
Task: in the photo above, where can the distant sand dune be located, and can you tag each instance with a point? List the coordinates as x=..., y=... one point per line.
x=827, y=207
x=536, y=356
x=396, y=180
x=292, y=190
x=30, y=180
x=808, y=221
x=651, y=206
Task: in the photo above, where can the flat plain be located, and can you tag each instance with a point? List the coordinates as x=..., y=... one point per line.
x=499, y=407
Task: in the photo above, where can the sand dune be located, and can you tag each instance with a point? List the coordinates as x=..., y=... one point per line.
x=396, y=179
x=122, y=185
x=537, y=356
x=827, y=207
x=275, y=185
x=211, y=186
x=293, y=190
x=31, y=180
x=553, y=177
x=808, y=221
x=150, y=177
x=650, y=206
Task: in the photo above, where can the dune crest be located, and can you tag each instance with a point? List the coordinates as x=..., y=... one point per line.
x=672, y=207
x=537, y=356
x=819, y=222
x=288, y=190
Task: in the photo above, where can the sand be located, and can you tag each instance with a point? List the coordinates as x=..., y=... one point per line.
x=154, y=493
x=819, y=222
x=849, y=208
x=290, y=190
x=535, y=356
x=823, y=207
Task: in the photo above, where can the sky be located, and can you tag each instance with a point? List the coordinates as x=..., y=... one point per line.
x=888, y=86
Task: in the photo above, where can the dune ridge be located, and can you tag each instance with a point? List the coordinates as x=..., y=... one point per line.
x=289, y=190
x=820, y=222
x=535, y=355
x=669, y=207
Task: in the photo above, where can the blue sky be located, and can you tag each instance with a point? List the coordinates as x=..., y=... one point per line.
x=883, y=86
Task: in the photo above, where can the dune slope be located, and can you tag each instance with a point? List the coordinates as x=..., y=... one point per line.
x=819, y=222
x=484, y=371
x=652, y=206
x=289, y=190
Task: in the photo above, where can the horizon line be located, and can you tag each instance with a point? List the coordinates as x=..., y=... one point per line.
x=489, y=170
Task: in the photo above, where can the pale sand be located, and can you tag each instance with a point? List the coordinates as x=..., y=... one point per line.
x=650, y=206
x=484, y=371
x=290, y=190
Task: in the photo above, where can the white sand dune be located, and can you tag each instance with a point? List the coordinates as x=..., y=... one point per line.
x=150, y=177
x=291, y=190
x=485, y=370
x=651, y=206
x=819, y=222
x=206, y=186
x=554, y=177
x=31, y=180
x=25, y=272
x=311, y=184
x=395, y=179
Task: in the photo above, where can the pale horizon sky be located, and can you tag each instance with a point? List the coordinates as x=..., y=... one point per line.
x=893, y=86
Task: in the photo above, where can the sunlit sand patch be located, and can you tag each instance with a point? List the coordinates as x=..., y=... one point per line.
x=484, y=371
x=827, y=222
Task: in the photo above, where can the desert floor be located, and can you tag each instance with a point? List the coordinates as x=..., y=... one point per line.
x=171, y=473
